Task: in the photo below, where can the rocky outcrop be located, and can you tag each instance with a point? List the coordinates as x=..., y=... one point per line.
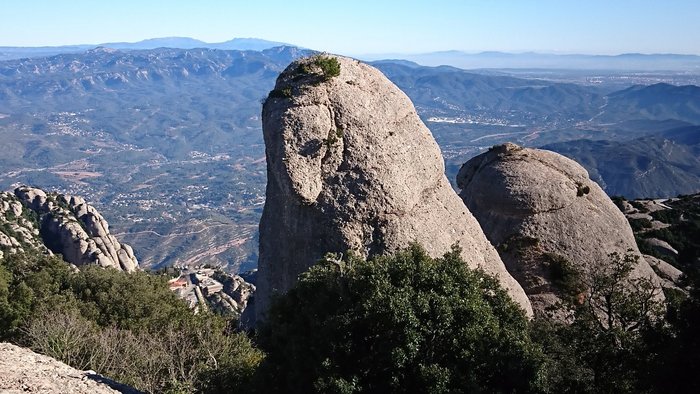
x=350, y=166
x=70, y=226
x=214, y=289
x=541, y=209
x=19, y=228
x=670, y=276
x=23, y=371
x=233, y=298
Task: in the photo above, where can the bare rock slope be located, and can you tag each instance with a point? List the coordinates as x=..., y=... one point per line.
x=350, y=166
x=62, y=224
x=537, y=206
x=23, y=371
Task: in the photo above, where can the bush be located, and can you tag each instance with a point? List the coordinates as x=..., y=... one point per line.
x=402, y=323
x=610, y=342
x=639, y=224
x=130, y=327
x=564, y=275
x=330, y=67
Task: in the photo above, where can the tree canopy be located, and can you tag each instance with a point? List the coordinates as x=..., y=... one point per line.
x=402, y=323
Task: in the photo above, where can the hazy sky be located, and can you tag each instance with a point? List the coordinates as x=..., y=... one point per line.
x=363, y=27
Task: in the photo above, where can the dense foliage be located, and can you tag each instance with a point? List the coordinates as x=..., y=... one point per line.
x=402, y=323
x=611, y=338
x=397, y=324
x=131, y=328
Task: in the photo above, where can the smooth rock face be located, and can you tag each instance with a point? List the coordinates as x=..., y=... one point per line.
x=532, y=203
x=350, y=166
x=23, y=371
x=70, y=226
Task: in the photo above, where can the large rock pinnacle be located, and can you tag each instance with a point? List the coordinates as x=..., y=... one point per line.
x=539, y=207
x=351, y=166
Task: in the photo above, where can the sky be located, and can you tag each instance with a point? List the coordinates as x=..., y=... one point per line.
x=359, y=27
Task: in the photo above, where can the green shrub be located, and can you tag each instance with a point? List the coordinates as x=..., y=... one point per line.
x=406, y=323
x=564, y=274
x=609, y=343
x=330, y=67
x=325, y=67
x=285, y=92
x=581, y=189
x=130, y=327
x=639, y=224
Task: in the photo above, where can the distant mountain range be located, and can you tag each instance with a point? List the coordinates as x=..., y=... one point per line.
x=167, y=142
x=446, y=89
x=531, y=60
x=663, y=164
x=658, y=101
x=460, y=59
x=168, y=136
x=240, y=44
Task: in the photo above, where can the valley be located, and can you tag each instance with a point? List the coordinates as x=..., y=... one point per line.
x=167, y=143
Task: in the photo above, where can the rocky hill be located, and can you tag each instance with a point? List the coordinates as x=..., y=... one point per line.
x=167, y=142
x=547, y=218
x=30, y=218
x=150, y=137
x=659, y=165
x=658, y=101
x=213, y=289
x=352, y=167
x=24, y=371
x=668, y=229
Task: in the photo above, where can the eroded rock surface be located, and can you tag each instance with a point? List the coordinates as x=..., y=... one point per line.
x=350, y=166
x=537, y=207
x=23, y=371
x=63, y=224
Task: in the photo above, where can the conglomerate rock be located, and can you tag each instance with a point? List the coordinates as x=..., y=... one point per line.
x=350, y=166
x=70, y=226
x=23, y=371
x=538, y=207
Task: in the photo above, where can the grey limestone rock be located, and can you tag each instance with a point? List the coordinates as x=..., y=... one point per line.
x=23, y=371
x=535, y=205
x=74, y=228
x=351, y=166
x=670, y=275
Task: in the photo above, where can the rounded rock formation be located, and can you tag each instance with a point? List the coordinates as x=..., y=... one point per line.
x=351, y=166
x=539, y=207
x=74, y=228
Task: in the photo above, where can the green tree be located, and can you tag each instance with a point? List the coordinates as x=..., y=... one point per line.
x=612, y=336
x=678, y=362
x=397, y=324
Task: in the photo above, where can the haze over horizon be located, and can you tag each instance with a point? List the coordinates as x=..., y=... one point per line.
x=363, y=27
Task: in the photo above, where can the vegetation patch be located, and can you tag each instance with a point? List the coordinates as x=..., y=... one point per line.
x=581, y=189
x=640, y=224
x=563, y=274
x=321, y=66
x=406, y=323
x=518, y=244
x=130, y=327
x=333, y=137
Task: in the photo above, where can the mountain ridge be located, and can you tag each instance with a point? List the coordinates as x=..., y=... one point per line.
x=255, y=44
